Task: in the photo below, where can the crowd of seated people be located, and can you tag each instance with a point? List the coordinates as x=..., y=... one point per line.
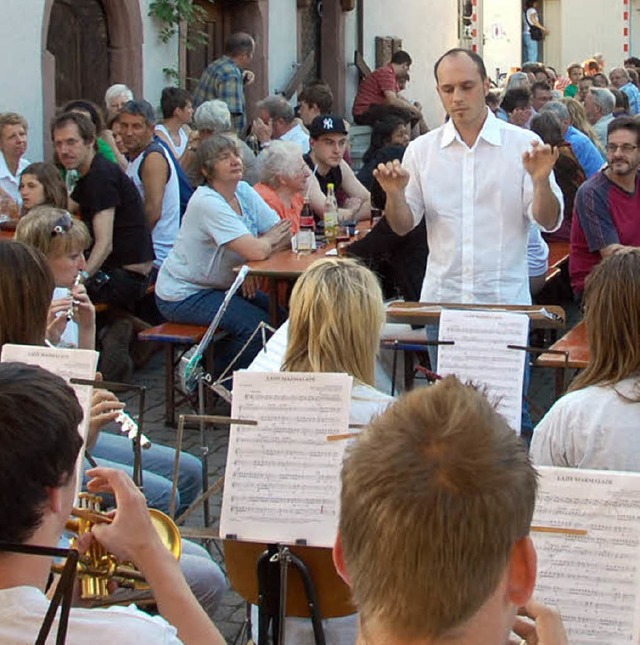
x=106, y=222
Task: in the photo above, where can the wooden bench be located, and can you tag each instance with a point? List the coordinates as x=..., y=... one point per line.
x=570, y=352
x=177, y=339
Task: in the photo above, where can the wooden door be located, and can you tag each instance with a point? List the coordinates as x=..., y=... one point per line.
x=201, y=54
x=78, y=39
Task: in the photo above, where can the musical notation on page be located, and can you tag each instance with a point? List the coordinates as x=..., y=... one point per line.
x=282, y=480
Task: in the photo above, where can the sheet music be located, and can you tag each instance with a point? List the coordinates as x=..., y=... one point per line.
x=66, y=363
x=480, y=354
x=282, y=479
x=594, y=579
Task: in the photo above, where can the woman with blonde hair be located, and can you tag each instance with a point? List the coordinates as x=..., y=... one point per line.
x=579, y=121
x=336, y=316
x=595, y=425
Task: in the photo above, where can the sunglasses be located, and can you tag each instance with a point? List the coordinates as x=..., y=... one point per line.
x=62, y=225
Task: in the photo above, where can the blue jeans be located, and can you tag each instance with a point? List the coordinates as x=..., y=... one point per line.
x=240, y=320
x=116, y=451
x=526, y=424
x=529, y=49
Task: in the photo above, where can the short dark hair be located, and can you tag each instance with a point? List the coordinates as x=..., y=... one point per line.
x=40, y=444
x=628, y=123
x=86, y=129
x=90, y=108
x=239, y=43
x=540, y=85
x=142, y=108
x=476, y=58
x=171, y=99
x=632, y=60
x=534, y=68
x=317, y=93
x=622, y=100
x=518, y=97
x=401, y=58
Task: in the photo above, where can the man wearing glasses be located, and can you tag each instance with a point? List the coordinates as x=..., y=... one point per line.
x=607, y=206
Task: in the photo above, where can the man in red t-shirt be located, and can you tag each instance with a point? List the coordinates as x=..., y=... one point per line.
x=606, y=215
x=378, y=96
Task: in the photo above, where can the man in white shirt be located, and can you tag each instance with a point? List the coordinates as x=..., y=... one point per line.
x=13, y=145
x=276, y=120
x=38, y=476
x=479, y=182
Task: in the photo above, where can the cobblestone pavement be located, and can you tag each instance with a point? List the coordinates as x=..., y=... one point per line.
x=230, y=616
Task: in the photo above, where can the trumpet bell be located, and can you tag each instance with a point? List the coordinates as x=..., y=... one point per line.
x=168, y=531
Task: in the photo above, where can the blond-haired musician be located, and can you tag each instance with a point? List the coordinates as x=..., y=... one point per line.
x=40, y=444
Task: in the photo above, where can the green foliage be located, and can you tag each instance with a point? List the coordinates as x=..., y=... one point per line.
x=174, y=12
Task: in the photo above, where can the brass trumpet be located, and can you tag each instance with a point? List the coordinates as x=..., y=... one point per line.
x=97, y=566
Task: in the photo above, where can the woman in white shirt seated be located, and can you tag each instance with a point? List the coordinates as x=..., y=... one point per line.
x=226, y=223
x=596, y=424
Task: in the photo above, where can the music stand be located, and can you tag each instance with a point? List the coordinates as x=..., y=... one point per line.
x=137, y=439
x=63, y=594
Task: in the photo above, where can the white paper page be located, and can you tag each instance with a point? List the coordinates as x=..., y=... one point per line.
x=282, y=480
x=593, y=578
x=66, y=363
x=480, y=355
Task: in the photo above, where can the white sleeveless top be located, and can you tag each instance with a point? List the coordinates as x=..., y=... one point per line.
x=166, y=229
x=184, y=139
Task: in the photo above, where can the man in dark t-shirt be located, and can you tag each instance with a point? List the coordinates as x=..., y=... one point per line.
x=121, y=256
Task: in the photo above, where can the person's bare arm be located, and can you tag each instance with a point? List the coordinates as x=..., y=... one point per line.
x=132, y=537
x=353, y=188
x=103, y=239
x=260, y=248
x=393, y=179
x=539, y=162
x=107, y=136
x=154, y=175
x=72, y=206
x=391, y=98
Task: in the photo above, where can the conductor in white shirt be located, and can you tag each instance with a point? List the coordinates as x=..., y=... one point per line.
x=479, y=182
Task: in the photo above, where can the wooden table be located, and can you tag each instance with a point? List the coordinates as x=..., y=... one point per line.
x=558, y=254
x=423, y=313
x=572, y=353
x=288, y=266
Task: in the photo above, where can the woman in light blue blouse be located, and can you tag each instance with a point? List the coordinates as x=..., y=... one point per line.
x=226, y=224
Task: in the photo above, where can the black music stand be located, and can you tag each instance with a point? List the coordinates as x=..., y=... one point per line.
x=63, y=594
x=137, y=440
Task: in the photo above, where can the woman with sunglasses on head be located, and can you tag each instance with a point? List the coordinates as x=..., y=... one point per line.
x=41, y=184
x=26, y=285
x=71, y=323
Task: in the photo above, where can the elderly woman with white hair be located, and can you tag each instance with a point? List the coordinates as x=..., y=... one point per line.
x=213, y=117
x=283, y=177
x=114, y=98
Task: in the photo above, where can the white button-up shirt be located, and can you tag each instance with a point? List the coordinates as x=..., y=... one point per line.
x=478, y=204
x=11, y=183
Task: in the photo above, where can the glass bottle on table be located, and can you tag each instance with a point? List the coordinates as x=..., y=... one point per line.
x=306, y=234
x=330, y=215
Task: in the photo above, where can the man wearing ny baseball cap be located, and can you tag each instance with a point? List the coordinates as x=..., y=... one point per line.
x=328, y=140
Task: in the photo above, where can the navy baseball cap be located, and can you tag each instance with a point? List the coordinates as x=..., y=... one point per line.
x=327, y=124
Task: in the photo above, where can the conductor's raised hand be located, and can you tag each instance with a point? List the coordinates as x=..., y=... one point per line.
x=540, y=160
x=392, y=176
x=131, y=536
